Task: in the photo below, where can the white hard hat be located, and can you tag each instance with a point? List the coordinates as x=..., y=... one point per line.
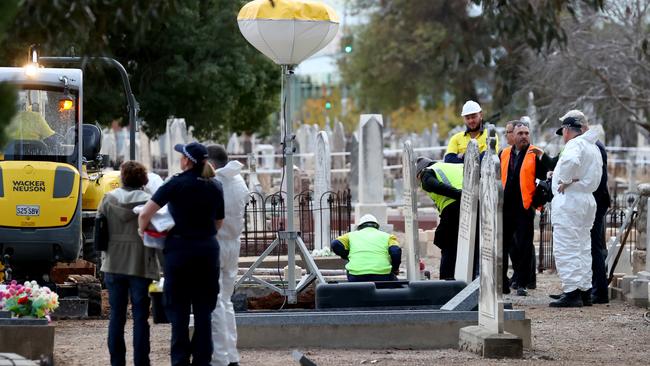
x=470, y=107
x=367, y=218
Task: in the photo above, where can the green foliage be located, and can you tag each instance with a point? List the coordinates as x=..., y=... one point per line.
x=418, y=51
x=537, y=22
x=185, y=59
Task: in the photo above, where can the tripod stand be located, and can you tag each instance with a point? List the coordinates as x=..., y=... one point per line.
x=290, y=235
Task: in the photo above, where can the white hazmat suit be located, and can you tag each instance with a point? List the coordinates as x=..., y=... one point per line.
x=573, y=212
x=224, y=328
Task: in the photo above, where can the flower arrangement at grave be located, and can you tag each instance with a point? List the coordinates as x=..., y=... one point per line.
x=28, y=299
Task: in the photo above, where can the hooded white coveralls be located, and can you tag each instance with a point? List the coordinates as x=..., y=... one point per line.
x=573, y=212
x=224, y=329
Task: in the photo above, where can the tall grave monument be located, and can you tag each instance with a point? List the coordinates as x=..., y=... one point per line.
x=411, y=234
x=488, y=338
x=468, y=214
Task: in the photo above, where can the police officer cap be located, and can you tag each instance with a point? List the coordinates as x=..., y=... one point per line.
x=194, y=151
x=568, y=122
x=421, y=163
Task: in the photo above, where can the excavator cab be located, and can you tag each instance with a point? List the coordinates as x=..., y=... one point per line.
x=41, y=167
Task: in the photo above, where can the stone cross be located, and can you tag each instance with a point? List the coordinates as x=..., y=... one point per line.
x=411, y=234
x=371, y=170
x=468, y=214
x=177, y=134
x=322, y=185
x=491, y=255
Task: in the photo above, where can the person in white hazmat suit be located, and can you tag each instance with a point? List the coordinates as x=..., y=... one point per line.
x=575, y=178
x=235, y=193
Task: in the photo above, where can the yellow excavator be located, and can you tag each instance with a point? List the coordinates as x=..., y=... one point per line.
x=51, y=173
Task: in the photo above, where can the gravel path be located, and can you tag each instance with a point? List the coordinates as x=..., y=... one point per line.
x=603, y=334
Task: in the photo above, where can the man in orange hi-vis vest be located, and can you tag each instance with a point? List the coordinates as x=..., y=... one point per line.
x=521, y=164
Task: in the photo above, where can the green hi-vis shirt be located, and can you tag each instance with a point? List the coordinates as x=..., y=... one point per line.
x=449, y=174
x=27, y=125
x=368, y=251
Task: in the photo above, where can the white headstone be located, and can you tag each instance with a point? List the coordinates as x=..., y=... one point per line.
x=233, y=146
x=490, y=297
x=322, y=184
x=338, y=145
x=145, y=150
x=109, y=145
x=468, y=214
x=411, y=235
x=354, y=166
x=371, y=172
x=177, y=134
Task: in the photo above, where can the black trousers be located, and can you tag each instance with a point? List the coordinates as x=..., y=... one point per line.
x=518, y=233
x=598, y=255
x=446, y=239
x=191, y=287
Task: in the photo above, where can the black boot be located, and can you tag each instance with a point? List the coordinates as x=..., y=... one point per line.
x=556, y=296
x=586, y=297
x=568, y=300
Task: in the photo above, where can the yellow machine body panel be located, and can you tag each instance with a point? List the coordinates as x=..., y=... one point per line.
x=38, y=194
x=98, y=185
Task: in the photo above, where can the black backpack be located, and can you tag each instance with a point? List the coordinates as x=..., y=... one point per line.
x=100, y=233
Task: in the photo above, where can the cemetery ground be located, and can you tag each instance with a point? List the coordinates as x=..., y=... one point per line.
x=615, y=333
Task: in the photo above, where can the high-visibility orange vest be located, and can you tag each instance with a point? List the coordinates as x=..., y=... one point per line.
x=526, y=174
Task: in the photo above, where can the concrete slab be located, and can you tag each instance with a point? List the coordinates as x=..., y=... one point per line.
x=12, y=359
x=367, y=329
x=484, y=342
x=30, y=341
x=625, y=283
x=466, y=300
x=639, y=292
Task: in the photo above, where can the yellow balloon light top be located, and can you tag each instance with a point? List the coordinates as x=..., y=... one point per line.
x=288, y=10
x=288, y=31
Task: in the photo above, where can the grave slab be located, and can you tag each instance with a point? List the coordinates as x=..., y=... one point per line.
x=31, y=341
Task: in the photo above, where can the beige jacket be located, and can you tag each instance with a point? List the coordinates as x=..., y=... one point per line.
x=126, y=254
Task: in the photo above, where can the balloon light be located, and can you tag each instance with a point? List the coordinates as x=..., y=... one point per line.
x=288, y=31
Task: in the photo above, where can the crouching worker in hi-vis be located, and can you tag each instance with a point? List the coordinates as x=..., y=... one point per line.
x=372, y=254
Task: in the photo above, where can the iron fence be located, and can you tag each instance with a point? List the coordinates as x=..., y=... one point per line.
x=613, y=221
x=323, y=219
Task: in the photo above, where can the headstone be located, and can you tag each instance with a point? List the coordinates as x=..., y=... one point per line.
x=371, y=172
x=491, y=254
x=322, y=184
x=109, y=145
x=468, y=214
x=435, y=136
x=145, y=150
x=466, y=300
x=353, y=178
x=233, y=146
x=338, y=145
x=531, y=112
x=177, y=134
x=488, y=338
x=302, y=137
x=411, y=234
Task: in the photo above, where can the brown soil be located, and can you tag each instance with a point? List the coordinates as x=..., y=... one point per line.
x=613, y=334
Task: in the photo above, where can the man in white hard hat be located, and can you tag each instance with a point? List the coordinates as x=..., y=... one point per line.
x=372, y=254
x=473, y=116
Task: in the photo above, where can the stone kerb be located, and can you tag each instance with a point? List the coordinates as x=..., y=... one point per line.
x=411, y=232
x=468, y=214
x=371, y=172
x=322, y=184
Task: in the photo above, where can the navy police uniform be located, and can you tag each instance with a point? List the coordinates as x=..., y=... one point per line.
x=191, y=262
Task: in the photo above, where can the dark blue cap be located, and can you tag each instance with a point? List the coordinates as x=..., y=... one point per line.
x=194, y=151
x=568, y=122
